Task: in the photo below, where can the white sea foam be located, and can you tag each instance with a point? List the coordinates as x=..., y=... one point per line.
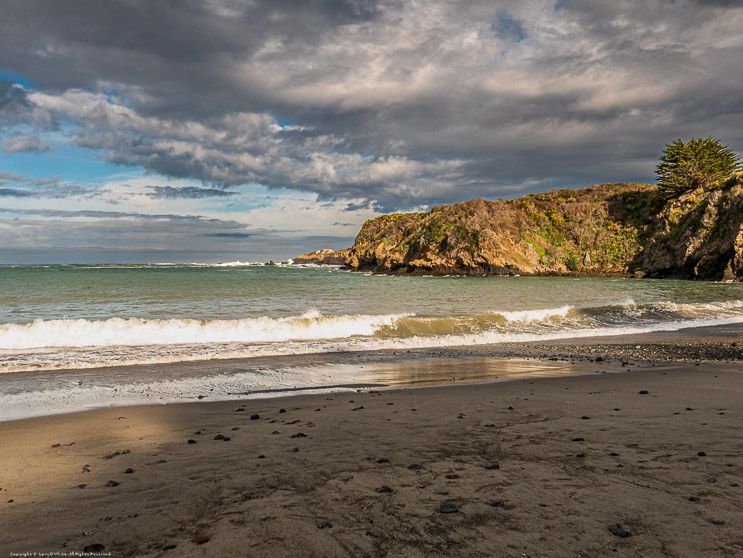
x=57, y=344
x=536, y=315
x=135, y=331
x=696, y=308
x=93, y=357
x=236, y=263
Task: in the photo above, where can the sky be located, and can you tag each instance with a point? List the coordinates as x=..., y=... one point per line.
x=222, y=130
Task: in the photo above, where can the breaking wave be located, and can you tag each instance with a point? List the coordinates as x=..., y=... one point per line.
x=79, y=343
x=135, y=331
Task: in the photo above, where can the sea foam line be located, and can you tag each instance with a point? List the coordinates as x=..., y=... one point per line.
x=135, y=331
x=126, y=356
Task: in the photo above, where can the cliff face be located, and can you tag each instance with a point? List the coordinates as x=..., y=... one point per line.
x=605, y=229
x=699, y=235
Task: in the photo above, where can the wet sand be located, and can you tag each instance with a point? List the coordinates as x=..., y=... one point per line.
x=535, y=467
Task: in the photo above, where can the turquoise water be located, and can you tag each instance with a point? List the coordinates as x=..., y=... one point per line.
x=54, y=317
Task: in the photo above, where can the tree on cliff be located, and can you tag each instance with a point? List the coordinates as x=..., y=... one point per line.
x=697, y=163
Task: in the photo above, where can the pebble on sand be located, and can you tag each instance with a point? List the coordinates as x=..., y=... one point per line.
x=718, y=521
x=448, y=507
x=383, y=489
x=200, y=539
x=112, y=483
x=619, y=531
x=324, y=525
x=255, y=416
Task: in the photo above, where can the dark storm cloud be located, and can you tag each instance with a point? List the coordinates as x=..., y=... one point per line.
x=388, y=104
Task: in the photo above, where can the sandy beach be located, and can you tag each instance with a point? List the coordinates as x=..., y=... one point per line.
x=542, y=466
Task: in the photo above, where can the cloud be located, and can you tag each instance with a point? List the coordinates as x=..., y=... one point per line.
x=392, y=103
x=235, y=235
x=92, y=214
x=44, y=235
x=14, y=177
x=24, y=144
x=15, y=193
x=53, y=187
x=187, y=192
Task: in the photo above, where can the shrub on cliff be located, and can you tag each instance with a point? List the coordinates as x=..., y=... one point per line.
x=698, y=163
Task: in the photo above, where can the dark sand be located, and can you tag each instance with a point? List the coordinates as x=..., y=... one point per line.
x=574, y=455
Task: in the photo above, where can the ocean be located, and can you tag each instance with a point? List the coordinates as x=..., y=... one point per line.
x=60, y=320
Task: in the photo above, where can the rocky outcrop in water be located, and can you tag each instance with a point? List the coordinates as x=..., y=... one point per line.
x=606, y=229
x=324, y=256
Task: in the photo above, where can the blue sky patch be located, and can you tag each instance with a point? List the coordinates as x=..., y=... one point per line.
x=509, y=29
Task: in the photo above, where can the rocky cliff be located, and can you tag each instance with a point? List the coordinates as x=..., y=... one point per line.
x=604, y=229
x=324, y=256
